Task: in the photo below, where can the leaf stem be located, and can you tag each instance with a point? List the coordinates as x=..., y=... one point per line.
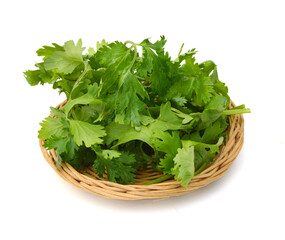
x=236, y=111
x=180, y=50
x=126, y=42
x=73, y=114
x=86, y=69
x=158, y=180
x=203, y=166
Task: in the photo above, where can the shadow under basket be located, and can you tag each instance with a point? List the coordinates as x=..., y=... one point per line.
x=89, y=181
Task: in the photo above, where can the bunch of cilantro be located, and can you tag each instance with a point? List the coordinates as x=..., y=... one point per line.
x=126, y=110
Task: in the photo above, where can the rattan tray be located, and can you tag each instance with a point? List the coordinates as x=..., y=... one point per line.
x=89, y=181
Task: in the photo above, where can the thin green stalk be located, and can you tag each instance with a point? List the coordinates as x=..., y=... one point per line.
x=73, y=114
x=236, y=111
x=203, y=166
x=158, y=180
x=86, y=69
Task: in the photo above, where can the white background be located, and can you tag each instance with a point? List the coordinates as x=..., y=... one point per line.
x=244, y=38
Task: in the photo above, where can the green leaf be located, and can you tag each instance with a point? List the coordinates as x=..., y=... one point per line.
x=125, y=133
x=112, y=53
x=157, y=64
x=118, y=61
x=110, y=154
x=167, y=143
x=202, y=157
x=186, y=117
x=33, y=77
x=192, y=82
x=184, y=168
x=204, y=153
x=66, y=61
x=101, y=44
x=62, y=145
x=207, y=67
x=91, y=51
x=41, y=75
x=118, y=169
x=181, y=101
x=57, y=112
x=182, y=57
x=85, y=132
x=219, y=86
x=47, y=51
x=213, y=111
x=53, y=126
x=202, y=90
x=88, y=98
x=197, y=90
x=215, y=130
x=129, y=105
x=86, y=113
x=170, y=120
x=77, y=157
x=212, y=148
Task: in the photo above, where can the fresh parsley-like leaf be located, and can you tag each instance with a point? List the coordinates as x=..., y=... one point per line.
x=118, y=167
x=126, y=133
x=47, y=51
x=53, y=126
x=156, y=64
x=129, y=106
x=65, y=61
x=85, y=132
x=184, y=168
x=168, y=144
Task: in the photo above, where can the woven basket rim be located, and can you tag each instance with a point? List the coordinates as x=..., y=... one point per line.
x=90, y=182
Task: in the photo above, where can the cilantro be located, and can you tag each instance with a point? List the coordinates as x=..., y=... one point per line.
x=85, y=132
x=53, y=126
x=183, y=169
x=125, y=109
x=117, y=166
x=65, y=61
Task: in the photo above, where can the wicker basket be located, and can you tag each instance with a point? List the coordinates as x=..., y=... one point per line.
x=89, y=181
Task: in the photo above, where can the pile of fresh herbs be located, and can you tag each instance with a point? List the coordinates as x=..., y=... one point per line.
x=125, y=110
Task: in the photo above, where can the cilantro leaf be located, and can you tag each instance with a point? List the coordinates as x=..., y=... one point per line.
x=115, y=57
x=193, y=81
x=184, y=168
x=126, y=133
x=204, y=153
x=156, y=64
x=168, y=144
x=85, y=132
x=62, y=145
x=57, y=112
x=40, y=76
x=212, y=133
x=171, y=119
x=129, y=106
x=65, y=61
x=89, y=97
x=53, y=126
x=213, y=111
x=47, y=51
x=117, y=167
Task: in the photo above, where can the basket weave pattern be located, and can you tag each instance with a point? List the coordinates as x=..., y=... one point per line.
x=89, y=181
